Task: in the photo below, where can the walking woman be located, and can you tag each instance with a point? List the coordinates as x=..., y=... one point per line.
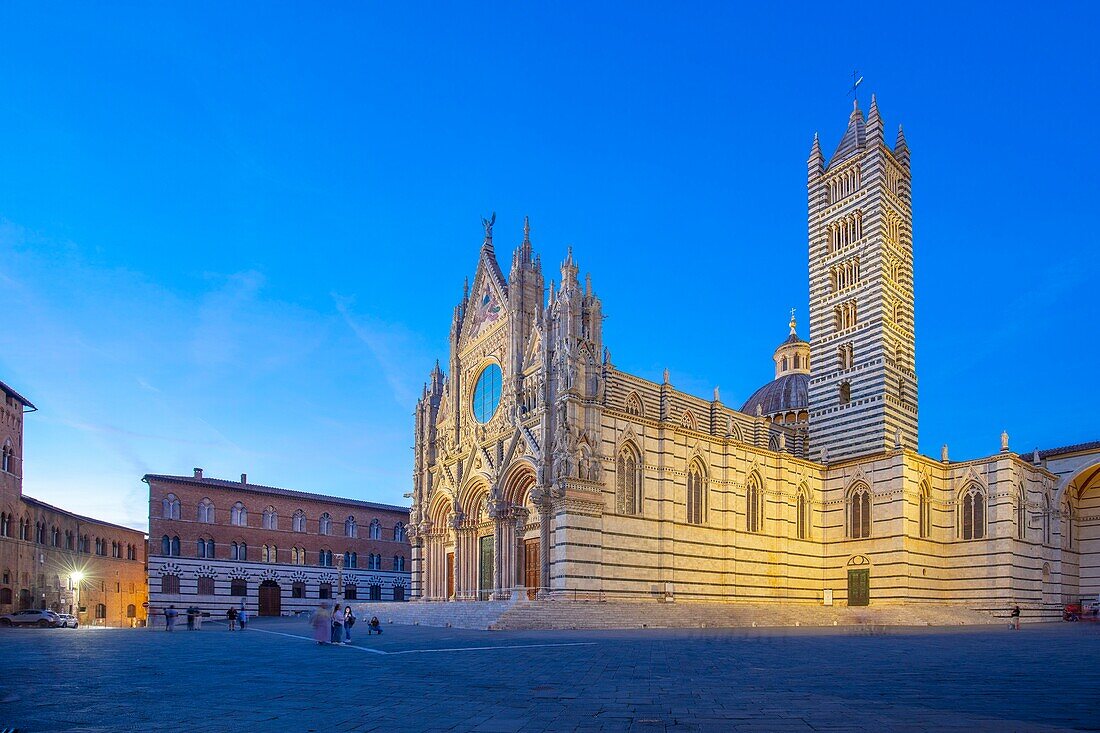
x=322, y=624
x=337, y=625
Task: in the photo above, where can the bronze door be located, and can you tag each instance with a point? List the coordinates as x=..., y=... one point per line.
x=531, y=567
x=859, y=587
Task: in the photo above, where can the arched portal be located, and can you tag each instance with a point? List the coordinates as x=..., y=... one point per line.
x=521, y=565
x=1080, y=529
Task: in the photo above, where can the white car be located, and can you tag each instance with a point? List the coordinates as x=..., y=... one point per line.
x=30, y=617
x=68, y=621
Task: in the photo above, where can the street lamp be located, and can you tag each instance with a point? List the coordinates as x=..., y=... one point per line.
x=76, y=576
x=340, y=575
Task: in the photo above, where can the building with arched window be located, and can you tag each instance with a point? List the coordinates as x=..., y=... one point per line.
x=545, y=468
x=52, y=558
x=272, y=564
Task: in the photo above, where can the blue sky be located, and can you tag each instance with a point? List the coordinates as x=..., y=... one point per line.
x=231, y=236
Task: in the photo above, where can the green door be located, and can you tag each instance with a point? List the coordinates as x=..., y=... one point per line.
x=859, y=587
x=485, y=567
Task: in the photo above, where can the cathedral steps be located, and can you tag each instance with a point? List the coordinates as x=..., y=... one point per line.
x=465, y=615
x=560, y=614
x=620, y=615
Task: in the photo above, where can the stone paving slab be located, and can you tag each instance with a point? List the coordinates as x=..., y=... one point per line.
x=273, y=678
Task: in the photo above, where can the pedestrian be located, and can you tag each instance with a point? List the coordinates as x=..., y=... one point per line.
x=374, y=626
x=322, y=624
x=337, y=625
x=190, y=618
x=242, y=616
x=231, y=617
x=170, y=614
x=349, y=621
x=1016, y=617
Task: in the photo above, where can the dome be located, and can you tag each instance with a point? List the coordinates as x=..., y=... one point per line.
x=789, y=392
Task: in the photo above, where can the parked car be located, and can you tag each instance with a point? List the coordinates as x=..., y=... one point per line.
x=68, y=621
x=31, y=617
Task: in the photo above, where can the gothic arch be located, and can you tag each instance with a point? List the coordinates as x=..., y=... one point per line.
x=469, y=498
x=634, y=404
x=518, y=481
x=442, y=506
x=688, y=421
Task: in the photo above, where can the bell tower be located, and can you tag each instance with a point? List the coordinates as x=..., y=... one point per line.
x=863, y=385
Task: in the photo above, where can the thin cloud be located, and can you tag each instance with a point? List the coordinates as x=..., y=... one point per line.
x=389, y=344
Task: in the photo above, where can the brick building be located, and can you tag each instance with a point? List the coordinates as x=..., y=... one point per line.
x=216, y=543
x=53, y=558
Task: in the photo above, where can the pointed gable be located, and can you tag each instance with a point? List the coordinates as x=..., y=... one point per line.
x=854, y=138
x=488, y=304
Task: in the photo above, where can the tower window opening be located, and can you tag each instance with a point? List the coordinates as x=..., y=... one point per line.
x=845, y=393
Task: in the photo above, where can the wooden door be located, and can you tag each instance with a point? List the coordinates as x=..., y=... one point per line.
x=450, y=575
x=271, y=601
x=531, y=568
x=859, y=587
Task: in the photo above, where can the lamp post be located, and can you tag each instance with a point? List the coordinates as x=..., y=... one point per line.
x=77, y=577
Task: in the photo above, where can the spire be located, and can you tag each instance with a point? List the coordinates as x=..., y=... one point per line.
x=816, y=163
x=874, y=122
x=901, y=149
x=526, y=230
x=588, y=284
x=854, y=136
x=568, y=268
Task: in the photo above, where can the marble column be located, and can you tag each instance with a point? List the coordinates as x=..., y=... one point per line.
x=541, y=497
x=520, y=555
x=456, y=525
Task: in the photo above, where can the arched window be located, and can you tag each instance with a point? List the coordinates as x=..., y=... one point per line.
x=696, y=494
x=205, y=548
x=55, y=537
x=324, y=558
x=399, y=563
x=324, y=524
x=9, y=457
x=238, y=515
x=351, y=529
x=845, y=393
x=170, y=584
x=1067, y=526
x=166, y=545
x=375, y=529
x=273, y=554
x=374, y=562
x=972, y=513
x=206, y=511
x=399, y=533
x=175, y=547
x=170, y=507
x=925, y=511
x=628, y=481
x=101, y=610
x=270, y=518
x=802, y=513
x=634, y=405
x=859, y=512
x=783, y=364
x=299, y=523
x=25, y=529
x=238, y=551
x=351, y=559
x=131, y=611
x=5, y=525
x=754, y=505
x=1021, y=513
x=1046, y=520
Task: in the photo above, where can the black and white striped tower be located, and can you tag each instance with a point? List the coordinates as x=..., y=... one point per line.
x=863, y=386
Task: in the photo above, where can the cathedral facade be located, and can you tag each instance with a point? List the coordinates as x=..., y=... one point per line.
x=543, y=470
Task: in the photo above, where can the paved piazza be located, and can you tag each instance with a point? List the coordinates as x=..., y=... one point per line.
x=272, y=678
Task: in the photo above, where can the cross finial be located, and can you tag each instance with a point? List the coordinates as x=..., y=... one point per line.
x=792, y=323
x=856, y=81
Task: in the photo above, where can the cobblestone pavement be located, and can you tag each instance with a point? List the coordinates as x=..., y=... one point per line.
x=272, y=678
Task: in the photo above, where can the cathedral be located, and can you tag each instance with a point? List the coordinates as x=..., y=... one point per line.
x=544, y=471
